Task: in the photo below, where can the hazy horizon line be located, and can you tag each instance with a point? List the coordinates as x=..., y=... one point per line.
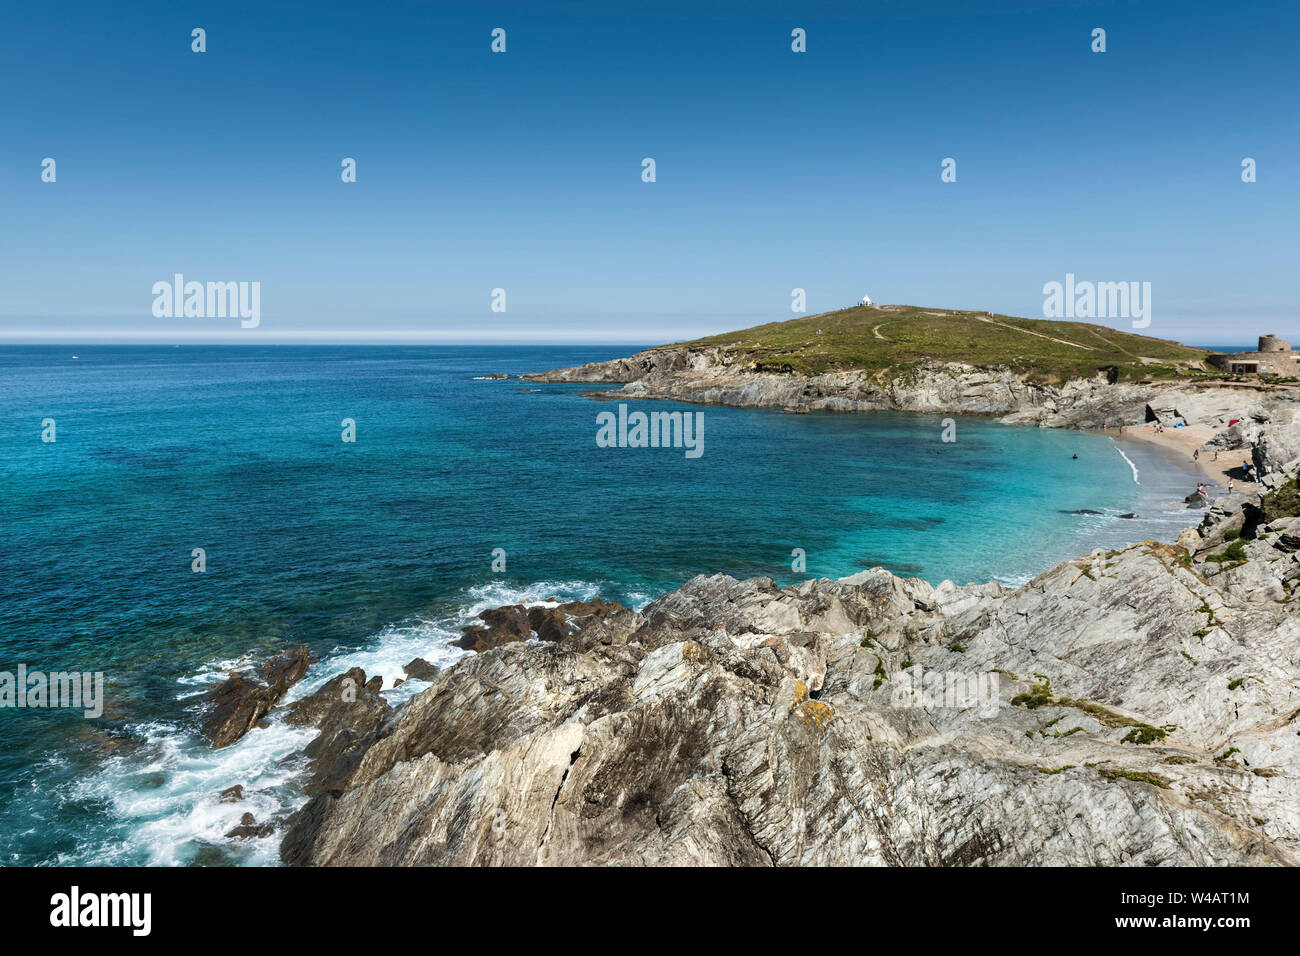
x=467, y=342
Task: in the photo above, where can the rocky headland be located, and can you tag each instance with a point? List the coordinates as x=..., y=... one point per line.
x=719, y=375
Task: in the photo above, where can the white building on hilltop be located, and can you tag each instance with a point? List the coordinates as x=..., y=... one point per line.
x=866, y=300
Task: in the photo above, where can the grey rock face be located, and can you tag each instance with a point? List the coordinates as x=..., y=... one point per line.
x=713, y=376
x=1138, y=707
x=1277, y=449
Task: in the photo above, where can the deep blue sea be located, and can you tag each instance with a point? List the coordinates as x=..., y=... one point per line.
x=377, y=551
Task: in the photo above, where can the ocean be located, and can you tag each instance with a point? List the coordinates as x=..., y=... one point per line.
x=378, y=550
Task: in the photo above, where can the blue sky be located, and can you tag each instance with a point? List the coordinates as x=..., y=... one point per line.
x=522, y=170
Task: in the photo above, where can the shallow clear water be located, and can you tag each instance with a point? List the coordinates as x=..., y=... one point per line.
x=377, y=551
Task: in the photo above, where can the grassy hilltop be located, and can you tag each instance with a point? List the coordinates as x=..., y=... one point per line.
x=895, y=337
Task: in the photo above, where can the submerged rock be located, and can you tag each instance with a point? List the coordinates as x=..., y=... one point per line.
x=249, y=828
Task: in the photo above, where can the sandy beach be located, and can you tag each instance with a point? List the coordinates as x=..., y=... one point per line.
x=1185, y=441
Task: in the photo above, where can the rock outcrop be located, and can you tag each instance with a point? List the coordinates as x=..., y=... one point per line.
x=420, y=669
x=234, y=706
x=349, y=711
x=249, y=828
x=514, y=622
x=1133, y=707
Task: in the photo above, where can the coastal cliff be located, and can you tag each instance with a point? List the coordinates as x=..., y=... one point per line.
x=709, y=377
x=1053, y=387
x=1134, y=707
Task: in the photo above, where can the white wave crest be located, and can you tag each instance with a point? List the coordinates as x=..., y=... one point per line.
x=1127, y=459
x=163, y=797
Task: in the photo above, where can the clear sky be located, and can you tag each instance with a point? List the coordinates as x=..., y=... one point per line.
x=523, y=170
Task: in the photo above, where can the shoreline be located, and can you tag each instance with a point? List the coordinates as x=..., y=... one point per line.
x=711, y=376
x=1180, y=443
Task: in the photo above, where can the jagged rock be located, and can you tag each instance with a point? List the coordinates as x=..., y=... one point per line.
x=232, y=794
x=239, y=702
x=249, y=828
x=350, y=712
x=500, y=625
x=557, y=623
x=549, y=623
x=335, y=694
x=1278, y=446
x=1288, y=534
x=1272, y=482
x=514, y=622
x=285, y=670
x=420, y=669
x=1225, y=515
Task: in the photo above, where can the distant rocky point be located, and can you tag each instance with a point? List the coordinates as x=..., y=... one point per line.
x=901, y=358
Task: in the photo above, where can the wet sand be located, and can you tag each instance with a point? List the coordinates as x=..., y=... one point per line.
x=1184, y=442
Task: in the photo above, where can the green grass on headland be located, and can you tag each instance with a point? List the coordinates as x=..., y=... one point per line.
x=896, y=338
x=1282, y=503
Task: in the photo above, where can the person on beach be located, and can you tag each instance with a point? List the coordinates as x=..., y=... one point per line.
x=1229, y=486
x=1196, y=455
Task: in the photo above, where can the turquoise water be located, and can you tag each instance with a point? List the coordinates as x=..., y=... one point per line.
x=376, y=551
